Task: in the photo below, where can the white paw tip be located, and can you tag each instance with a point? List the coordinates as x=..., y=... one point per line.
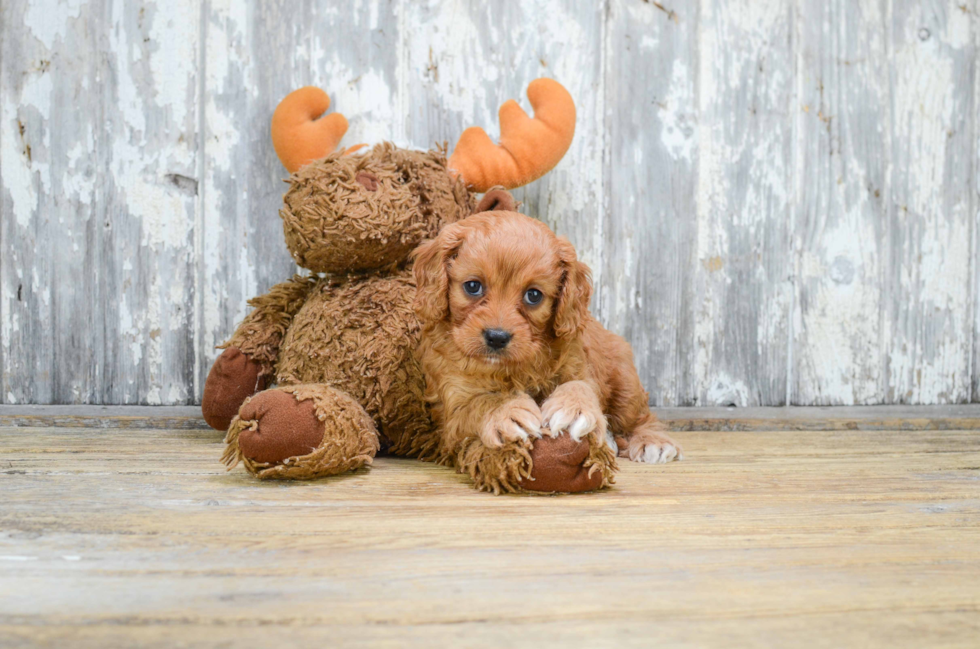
x=658, y=454
x=579, y=428
x=559, y=421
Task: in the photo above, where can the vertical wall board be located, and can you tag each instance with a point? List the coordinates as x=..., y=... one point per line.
x=51, y=203
x=744, y=263
x=461, y=60
x=975, y=252
x=650, y=225
x=253, y=55
x=842, y=227
x=3, y=214
x=149, y=121
x=257, y=53
x=928, y=320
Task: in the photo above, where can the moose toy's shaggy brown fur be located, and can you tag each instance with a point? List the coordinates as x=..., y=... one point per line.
x=346, y=342
x=341, y=347
x=512, y=354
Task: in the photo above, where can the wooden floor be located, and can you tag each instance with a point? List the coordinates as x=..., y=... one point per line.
x=116, y=535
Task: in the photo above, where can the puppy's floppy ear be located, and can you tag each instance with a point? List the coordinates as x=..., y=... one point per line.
x=497, y=199
x=572, y=306
x=431, y=274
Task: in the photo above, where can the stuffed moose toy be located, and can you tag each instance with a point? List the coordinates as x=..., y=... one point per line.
x=323, y=373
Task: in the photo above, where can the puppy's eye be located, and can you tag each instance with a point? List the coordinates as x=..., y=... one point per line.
x=473, y=288
x=533, y=296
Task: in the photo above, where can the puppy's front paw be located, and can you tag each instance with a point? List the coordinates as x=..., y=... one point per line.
x=518, y=419
x=573, y=407
x=652, y=449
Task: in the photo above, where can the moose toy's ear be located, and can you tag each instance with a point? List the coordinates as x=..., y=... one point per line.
x=497, y=199
x=528, y=149
x=298, y=136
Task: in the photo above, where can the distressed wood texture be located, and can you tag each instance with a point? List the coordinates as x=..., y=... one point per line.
x=887, y=210
x=778, y=198
x=800, y=418
x=128, y=537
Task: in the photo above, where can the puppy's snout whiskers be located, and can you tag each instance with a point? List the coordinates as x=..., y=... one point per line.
x=496, y=339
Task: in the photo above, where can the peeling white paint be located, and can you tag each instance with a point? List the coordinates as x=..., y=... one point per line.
x=17, y=173
x=931, y=362
x=444, y=48
x=49, y=23
x=723, y=390
x=173, y=60
x=678, y=127
x=364, y=97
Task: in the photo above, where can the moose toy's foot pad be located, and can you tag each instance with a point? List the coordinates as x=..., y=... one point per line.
x=280, y=427
x=561, y=464
x=233, y=378
x=301, y=432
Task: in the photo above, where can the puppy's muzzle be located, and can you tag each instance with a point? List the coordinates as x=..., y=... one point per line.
x=496, y=339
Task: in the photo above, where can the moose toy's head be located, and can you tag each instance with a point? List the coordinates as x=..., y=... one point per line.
x=348, y=212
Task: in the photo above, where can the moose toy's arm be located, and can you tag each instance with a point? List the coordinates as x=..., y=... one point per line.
x=247, y=364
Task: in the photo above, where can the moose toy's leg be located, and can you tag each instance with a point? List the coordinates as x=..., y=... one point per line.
x=247, y=364
x=301, y=432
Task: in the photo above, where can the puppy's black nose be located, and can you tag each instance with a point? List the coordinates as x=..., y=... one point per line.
x=496, y=338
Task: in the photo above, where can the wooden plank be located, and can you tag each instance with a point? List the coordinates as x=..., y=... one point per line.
x=842, y=174
x=131, y=417
x=52, y=204
x=131, y=451
x=884, y=293
x=4, y=216
x=834, y=629
x=150, y=114
x=744, y=261
x=646, y=290
x=866, y=418
x=931, y=208
x=137, y=537
x=975, y=239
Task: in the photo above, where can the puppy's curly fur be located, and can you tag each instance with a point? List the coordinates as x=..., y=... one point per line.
x=511, y=352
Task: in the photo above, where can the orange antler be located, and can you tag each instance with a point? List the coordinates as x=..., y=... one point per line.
x=528, y=149
x=297, y=135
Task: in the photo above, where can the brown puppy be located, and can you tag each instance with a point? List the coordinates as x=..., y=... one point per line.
x=510, y=350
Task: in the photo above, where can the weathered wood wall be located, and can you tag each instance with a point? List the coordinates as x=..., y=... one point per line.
x=778, y=198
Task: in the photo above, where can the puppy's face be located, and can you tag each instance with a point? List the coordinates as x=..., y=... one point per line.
x=505, y=284
x=502, y=290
